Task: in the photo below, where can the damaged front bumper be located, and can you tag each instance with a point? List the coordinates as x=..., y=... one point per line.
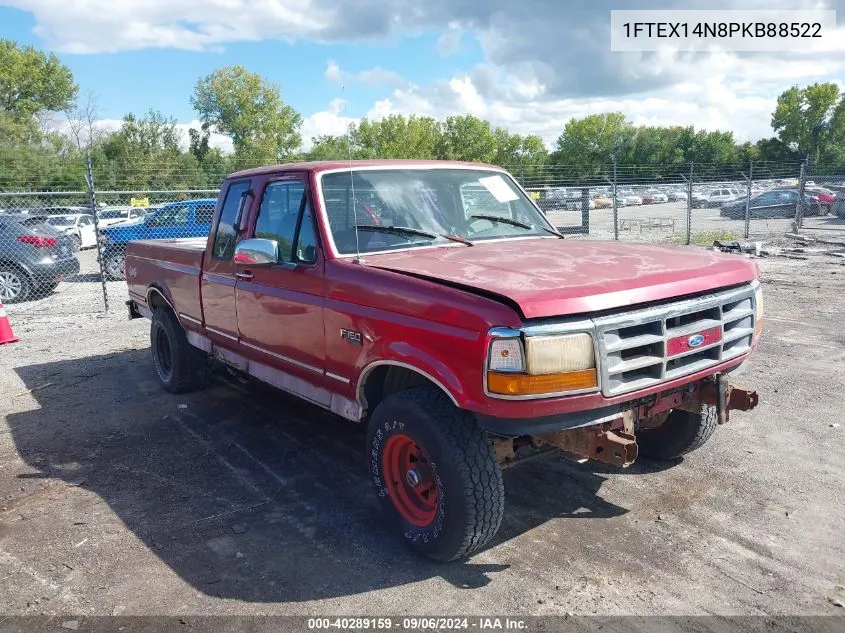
x=614, y=441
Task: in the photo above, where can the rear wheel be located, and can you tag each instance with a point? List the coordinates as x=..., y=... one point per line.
x=15, y=285
x=680, y=433
x=435, y=474
x=180, y=366
x=114, y=266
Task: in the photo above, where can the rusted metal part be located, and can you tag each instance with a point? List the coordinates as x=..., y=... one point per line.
x=609, y=446
x=503, y=447
x=716, y=392
x=742, y=399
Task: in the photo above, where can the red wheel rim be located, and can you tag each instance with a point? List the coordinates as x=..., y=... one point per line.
x=410, y=480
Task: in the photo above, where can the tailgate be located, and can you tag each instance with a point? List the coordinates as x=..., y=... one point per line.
x=173, y=265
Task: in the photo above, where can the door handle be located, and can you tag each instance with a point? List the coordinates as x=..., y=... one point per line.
x=245, y=275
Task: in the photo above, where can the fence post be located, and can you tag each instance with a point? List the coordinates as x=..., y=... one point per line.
x=799, y=206
x=92, y=201
x=615, y=207
x=689, y=202
x=748, y=180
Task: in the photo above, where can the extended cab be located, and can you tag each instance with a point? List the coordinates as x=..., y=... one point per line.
x=434, y=302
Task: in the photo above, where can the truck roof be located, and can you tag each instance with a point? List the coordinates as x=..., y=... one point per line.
x=324, y=165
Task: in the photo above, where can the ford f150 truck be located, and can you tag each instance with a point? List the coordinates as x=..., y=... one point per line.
x=434, y=302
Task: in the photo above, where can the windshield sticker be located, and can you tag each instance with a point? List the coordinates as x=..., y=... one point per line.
x=499, y=188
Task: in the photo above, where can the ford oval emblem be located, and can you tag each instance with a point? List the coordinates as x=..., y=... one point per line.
x=695, y=340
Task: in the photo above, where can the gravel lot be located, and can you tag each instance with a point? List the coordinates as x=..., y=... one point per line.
x=119, y=498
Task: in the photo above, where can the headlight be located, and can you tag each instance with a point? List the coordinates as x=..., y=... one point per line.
x=544, y=365
x=758, y=311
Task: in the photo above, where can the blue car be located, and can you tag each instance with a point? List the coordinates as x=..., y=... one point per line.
x=191, y=218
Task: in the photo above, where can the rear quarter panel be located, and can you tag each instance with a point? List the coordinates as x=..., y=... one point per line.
x=173, y=267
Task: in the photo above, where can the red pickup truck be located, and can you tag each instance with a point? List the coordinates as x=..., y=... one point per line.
x=435, y=302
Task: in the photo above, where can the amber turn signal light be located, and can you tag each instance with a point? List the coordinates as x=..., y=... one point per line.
x=526, y=385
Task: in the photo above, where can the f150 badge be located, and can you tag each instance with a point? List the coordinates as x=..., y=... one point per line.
x=351, y=336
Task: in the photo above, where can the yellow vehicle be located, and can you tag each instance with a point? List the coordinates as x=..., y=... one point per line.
x=602, y=201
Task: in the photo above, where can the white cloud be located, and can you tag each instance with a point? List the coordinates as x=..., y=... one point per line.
x=545, y=61
x=376, y=76
x=332, y=121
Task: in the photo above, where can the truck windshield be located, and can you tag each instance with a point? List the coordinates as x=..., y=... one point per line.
x=420, y=207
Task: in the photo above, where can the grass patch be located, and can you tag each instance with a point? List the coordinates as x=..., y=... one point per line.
x=704, y=238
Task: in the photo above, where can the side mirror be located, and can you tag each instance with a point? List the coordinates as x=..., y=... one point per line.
x=257, y=252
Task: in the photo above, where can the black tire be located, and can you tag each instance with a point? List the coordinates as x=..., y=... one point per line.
x=75, y=243
x=681, y=433
x=113, y=266
x=45, y=290
x=15, y=284
x=463, y=468
x=180, y=366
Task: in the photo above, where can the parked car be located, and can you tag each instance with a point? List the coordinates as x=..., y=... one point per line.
x=191, y=218
x=457, y=337
x=778, y=203
x=631, y=198
x=657, y=197
x=79, y=227
x=110, y=217
x=676, y=195
x=34, y=257
x=715, y=198
x=824, y=197
x=646, y=197
x=602, y=201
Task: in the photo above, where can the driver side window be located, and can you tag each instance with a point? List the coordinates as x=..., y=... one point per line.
x=279, y=219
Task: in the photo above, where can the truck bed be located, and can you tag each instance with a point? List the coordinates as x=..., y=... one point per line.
x=173, y=265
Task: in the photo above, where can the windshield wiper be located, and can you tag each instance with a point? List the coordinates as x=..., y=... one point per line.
x=407, y=230
x=522, y=225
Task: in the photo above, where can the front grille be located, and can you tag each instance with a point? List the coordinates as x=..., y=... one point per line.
x=646, y=347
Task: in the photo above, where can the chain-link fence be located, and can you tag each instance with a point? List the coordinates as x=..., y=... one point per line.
x=64, y=250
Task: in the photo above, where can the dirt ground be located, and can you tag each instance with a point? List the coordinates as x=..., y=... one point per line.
x=119, y=498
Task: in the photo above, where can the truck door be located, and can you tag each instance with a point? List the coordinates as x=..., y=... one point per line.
x=218, y=276
x=280, y=308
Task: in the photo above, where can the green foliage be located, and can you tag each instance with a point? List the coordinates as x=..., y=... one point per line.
x=250, y=110
x=32, y=82
x=811, y=122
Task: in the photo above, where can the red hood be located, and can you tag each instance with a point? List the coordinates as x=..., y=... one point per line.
x=553, y=277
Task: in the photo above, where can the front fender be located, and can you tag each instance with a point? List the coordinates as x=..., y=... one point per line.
x=436, y=368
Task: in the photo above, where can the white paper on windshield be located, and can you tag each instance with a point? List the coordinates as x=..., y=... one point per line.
x=499, y=188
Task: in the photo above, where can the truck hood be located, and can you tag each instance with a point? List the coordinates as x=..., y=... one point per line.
x=546, y=277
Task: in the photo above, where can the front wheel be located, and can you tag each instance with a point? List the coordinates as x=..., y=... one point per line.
x=435, y=474
x=680, y=433
x=75, y=243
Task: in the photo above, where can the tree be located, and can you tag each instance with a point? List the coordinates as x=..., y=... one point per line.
x=467, y=138
x=811, y=121
x=397, y=137
x=31, y=82
x=591, y=142
x=250, y=110
x=328, y=147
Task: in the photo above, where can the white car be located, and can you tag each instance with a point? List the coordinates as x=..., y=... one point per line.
x=109, y=217
x=716, y=197
x=79, y=227
x=657, y=196
x=631, y=199
x=677, y=194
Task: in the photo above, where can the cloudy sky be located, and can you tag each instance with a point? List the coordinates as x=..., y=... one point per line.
x=528, y=65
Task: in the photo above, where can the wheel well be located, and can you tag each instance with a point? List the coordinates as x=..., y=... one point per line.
x=155, y=299
x=10, y=264
x=386, y=380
